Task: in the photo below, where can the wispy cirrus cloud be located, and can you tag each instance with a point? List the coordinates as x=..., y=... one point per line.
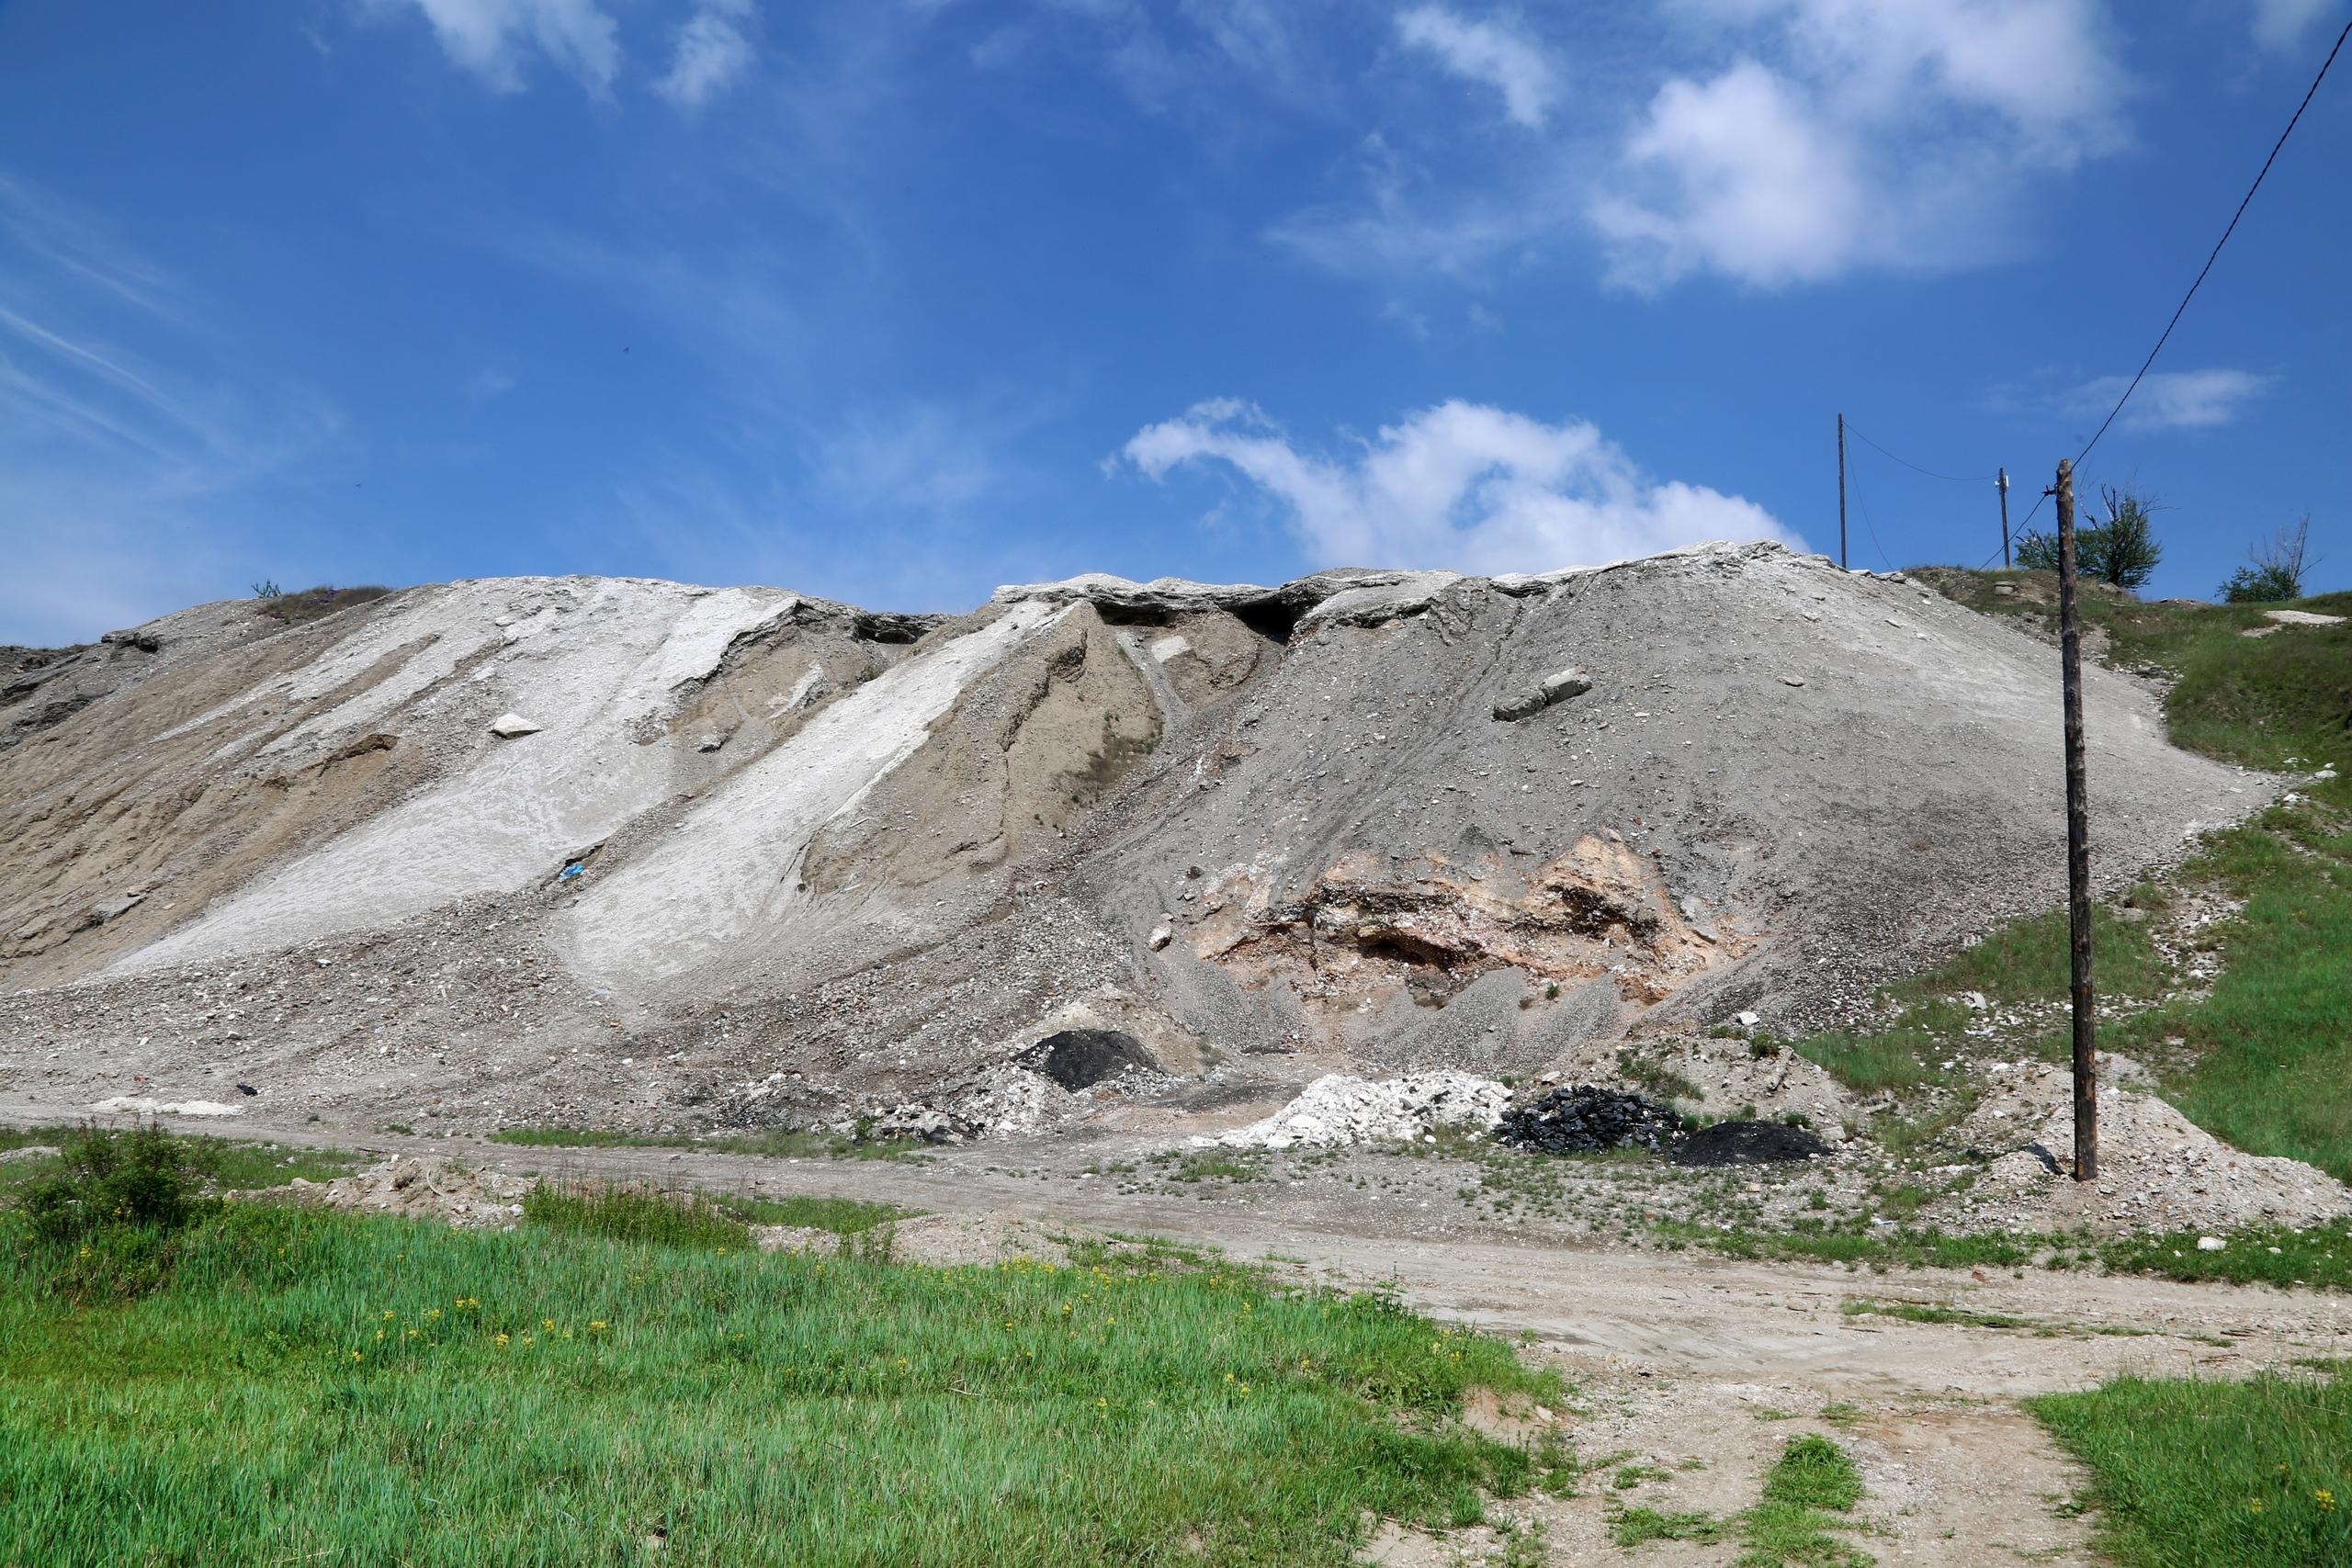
x=1496, y=53
x=2283, y=24
x=1460, y=485
x=713, y=50
x=2168, y=399
x=498, y=39
x=121, y=470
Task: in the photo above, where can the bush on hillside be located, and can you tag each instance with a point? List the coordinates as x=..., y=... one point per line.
x=2121, y=551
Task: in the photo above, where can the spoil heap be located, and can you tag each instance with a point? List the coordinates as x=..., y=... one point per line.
x=609, y=849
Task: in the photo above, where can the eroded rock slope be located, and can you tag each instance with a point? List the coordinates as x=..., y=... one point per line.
x=626, y=850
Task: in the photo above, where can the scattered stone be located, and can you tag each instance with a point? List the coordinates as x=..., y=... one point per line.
x=2212, y=1244
x=513, y=727
x=1791, y=679
x=2304, y=618
x=1161, y=935
x=28, y=1152
x=710, y=743
x=1587, y=1118
x=1748, y=1142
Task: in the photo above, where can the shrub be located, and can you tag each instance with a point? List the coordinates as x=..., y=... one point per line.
x=2122, y=551
x=142, y=1179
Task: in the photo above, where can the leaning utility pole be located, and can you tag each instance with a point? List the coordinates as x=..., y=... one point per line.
x=2003, y=485
x=1841, y=492
x=2078, y=840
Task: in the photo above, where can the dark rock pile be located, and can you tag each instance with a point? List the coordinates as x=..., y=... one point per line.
x=1587, y=1119
x=1080, y=1059
x=1748, y=1142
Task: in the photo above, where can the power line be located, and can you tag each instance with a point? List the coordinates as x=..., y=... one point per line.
x=1956, y=478
x=2219, y=243
x=1882, y=560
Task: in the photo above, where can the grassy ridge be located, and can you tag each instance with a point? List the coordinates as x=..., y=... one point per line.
x=2262, y=1060
x=310, y=1385
x=2193, y=1474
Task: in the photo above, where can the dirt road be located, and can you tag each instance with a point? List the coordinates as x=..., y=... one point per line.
x=1691, y=1369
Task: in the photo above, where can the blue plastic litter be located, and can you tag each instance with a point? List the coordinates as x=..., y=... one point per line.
x=568, y=873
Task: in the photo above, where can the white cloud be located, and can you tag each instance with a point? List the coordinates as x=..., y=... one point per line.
x=2168, y=399
x=493, y=38
x=1740, y=177
x=1460, y=485
x=713, y=50
x=1852, y=134
x=1493, y=53
x=2282, y=24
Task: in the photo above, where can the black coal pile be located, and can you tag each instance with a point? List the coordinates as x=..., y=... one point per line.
x=1587, y=1119
x=1748, y=1142
x=1080, y=1059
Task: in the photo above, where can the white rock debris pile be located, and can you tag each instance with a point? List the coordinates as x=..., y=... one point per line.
x=430, y=1188
x=2158, y=1171
x=1337, y=1109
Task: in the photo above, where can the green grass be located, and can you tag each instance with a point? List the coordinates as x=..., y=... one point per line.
x=1924, y=1312
x=1636, y=1525
x=771, y=1144
x=311, y=1386
x=2261, y=1060
x=634, y=1215
x=224, y=1164
x=1806, y=1493
x=842, y=1216
x=2196, y=1474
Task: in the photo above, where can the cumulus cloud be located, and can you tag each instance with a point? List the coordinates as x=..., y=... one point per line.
x=1460, y=485
x=2168, y=399
x=1492, y=52
x=713, y=50
x=2282, y=24
x=1742, y=176
x=495, y=39
x=1851, y=133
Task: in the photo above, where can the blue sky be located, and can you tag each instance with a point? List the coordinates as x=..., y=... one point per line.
x=895, y=300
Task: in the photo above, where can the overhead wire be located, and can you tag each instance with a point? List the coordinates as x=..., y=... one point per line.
x=2178, y=311
x=1852, y=430
x=2225, y=239
x=1855, y=476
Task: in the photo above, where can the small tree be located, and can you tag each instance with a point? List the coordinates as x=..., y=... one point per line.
x=2122, y=550
x=2281, y=565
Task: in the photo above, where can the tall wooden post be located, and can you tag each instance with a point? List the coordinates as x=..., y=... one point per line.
x=1841, y=492
x=2004, y=484
x=2079, y=840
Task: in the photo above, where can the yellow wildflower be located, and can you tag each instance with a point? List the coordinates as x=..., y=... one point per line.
x=2326, y=1499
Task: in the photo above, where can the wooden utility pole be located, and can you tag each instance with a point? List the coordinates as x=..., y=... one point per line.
x=2079, y=840
x=1841, y=492
x=2003, y=483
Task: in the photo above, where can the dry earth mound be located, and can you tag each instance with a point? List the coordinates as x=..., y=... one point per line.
x=617, y=851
